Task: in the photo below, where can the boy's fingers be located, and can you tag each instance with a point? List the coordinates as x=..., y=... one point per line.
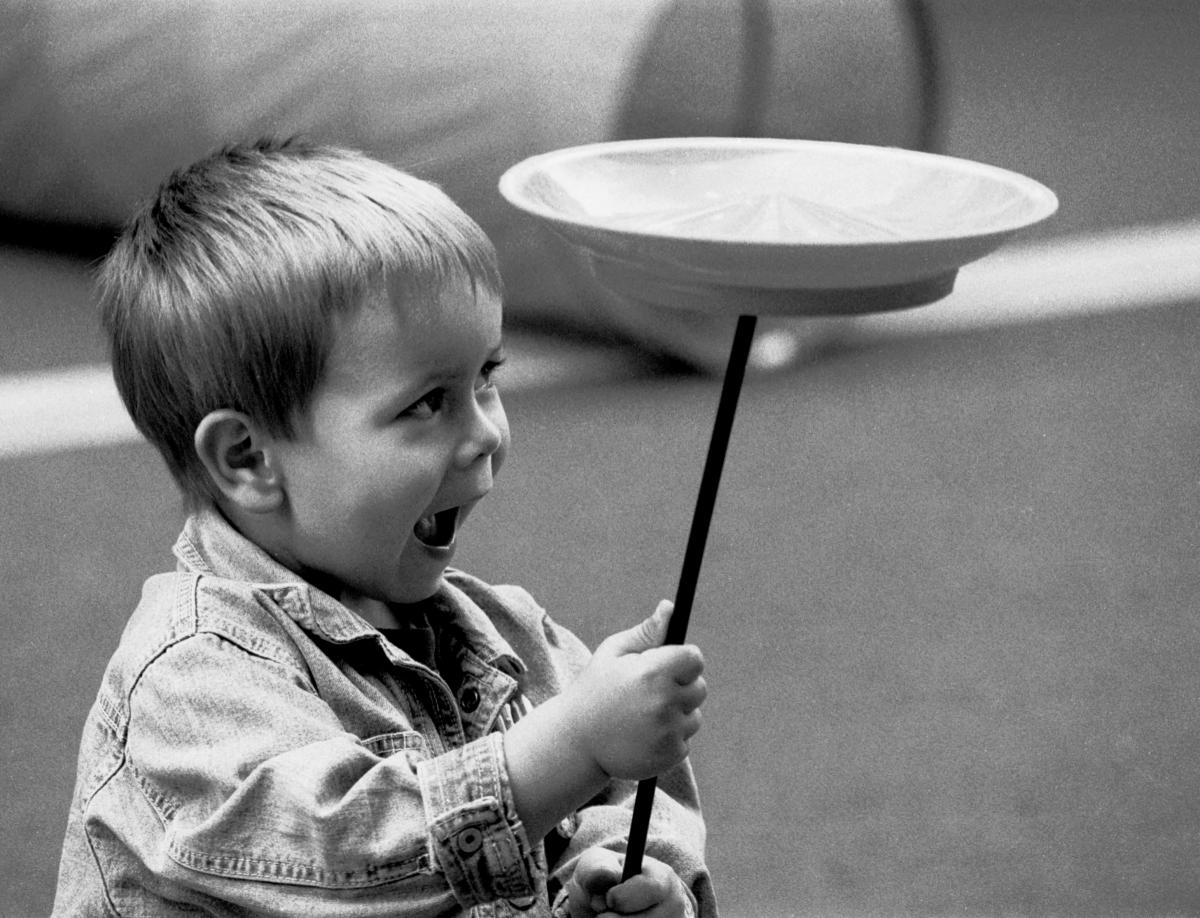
x=597, y=871
x=646, y=634
x=655, y=884
x=653, y=630
x=690, y=665
x=633, y=896
x=692, y=696
x=684, y=662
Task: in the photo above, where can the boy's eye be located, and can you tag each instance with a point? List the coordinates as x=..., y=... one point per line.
x=434, y=401
x=487, y=375
x=426, y=406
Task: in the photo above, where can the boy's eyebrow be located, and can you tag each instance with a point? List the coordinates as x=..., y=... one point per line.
x=418, y=385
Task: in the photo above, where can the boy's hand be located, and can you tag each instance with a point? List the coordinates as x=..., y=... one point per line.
x=629, y=714
x=595, y=889
x=637, y=703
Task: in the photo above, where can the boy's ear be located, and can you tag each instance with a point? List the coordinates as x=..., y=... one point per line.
x=240, y=461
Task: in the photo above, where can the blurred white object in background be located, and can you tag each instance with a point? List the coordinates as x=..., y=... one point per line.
x=101, y=100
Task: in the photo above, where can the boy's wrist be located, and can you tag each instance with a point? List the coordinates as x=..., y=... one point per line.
x=551, y=769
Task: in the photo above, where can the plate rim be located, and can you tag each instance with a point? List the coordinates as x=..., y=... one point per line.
x=512, y=183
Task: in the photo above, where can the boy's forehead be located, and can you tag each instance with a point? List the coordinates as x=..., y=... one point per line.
x=427, y=319
x=456, y=301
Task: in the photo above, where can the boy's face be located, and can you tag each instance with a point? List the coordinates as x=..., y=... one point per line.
x=404, y=436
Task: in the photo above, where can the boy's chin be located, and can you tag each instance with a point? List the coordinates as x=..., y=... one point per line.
x=412, y=593
x=406, y=594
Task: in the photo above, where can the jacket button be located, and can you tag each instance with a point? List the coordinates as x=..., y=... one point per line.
x=469, y=840
x=468, y=699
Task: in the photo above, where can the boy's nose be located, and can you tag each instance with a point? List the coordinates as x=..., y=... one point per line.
x=487, y=434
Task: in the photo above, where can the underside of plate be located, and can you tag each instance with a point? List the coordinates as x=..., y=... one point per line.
x=637, y=284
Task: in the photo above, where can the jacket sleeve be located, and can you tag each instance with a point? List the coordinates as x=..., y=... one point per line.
x=264, y=799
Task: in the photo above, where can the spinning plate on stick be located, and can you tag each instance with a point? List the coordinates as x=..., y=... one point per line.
x=758, y=226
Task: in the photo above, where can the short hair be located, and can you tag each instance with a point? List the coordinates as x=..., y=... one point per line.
x=223, y=289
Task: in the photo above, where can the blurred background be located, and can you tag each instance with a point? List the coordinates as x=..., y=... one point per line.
x=949, y=597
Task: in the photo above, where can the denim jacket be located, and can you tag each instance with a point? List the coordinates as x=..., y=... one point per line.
x=257, y=748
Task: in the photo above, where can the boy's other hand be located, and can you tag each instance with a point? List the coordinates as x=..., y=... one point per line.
x=637, y=703
x=595, y=889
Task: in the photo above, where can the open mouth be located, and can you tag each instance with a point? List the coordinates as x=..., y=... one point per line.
x=437, y=530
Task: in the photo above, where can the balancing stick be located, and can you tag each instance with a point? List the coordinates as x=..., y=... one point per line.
x=706, y=500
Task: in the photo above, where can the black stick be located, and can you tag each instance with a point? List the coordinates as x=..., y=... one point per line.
x=706, y=500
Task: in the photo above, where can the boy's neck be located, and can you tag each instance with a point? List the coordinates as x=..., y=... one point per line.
x=375, y=612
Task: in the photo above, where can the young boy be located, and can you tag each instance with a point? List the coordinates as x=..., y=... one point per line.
x=314, y=714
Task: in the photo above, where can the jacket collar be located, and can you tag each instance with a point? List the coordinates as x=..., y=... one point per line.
x=209, y=544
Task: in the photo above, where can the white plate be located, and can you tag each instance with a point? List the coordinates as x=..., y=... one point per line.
x=774, y=226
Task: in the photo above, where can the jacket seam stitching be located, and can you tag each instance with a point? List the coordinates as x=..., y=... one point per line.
x=110, y=906
x=321, y=877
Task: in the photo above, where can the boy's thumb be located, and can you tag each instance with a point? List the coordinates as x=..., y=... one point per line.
x=647, y=634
